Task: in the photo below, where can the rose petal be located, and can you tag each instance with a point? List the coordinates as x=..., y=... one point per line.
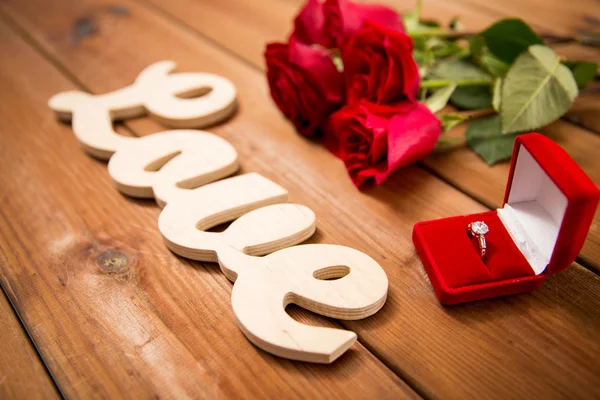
x=411, y=137
x=379, y=66
x=355, y=14
x=402, y=70
x=309, y=25
x=317, y=63
x=331, y=23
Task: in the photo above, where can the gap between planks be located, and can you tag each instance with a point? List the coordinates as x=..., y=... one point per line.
x=15, y=314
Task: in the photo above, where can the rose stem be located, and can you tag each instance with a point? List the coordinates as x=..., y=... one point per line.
x=589, y=39
x=440, y=83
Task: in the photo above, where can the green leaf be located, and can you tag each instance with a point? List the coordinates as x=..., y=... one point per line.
x=447, y=50
x=465, y=97
x=485, y=137
x=429, y=23
x=455, y=25
x=423, y=57
x=460, y=70
x=493, y=65
x=442, y=48
x=472, y=98
x=583, y=71
x=434, y=42
x=476, y=46
x=481, y=54
x=413, y=23
x=537, y=90
x=410, y=20
x=497, y=94
x=440, y=98
x=339, y=64
x=419, y=43
x=450, y=120
x=508, y=38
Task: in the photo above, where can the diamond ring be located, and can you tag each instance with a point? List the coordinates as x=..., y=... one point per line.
x=479, y=229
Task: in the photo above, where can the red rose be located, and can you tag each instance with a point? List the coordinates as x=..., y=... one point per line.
x=304, y=83
x=379, y=66
x=375, y=140
x=330, y=23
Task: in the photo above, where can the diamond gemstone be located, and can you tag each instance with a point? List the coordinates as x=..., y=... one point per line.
x=480, y=228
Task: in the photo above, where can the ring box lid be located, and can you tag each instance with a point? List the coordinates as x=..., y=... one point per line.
x=549, y=203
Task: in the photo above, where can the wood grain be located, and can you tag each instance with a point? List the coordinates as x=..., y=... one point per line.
x=23, y=373
x=541, y=345
x=114, y=313
x=460, y=167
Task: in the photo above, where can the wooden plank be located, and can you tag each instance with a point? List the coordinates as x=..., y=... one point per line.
x=541, y=345
x=462, y=168
x=561, y=17
x=585, y=110
x=160, y=327
x=23, y=373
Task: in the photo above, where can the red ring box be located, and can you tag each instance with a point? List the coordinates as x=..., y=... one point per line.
x=549, y=205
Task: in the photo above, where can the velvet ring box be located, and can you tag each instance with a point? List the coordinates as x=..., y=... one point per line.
x=548, y=208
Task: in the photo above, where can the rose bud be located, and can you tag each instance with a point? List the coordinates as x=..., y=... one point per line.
x=304, y=83
x=375, y=140
x=379, y=66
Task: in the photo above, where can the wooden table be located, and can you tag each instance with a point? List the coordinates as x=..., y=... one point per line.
x=165, y=327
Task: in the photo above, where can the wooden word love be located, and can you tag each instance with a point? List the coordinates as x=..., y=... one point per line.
x=181, y=169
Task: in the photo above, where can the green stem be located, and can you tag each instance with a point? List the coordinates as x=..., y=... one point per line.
x=474, y=114
x=418, y=9
x=437, y=32
x=440, y=83
x=446, y=143
x=591, y=39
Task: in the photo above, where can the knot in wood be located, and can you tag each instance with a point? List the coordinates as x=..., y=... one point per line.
x=112, y=261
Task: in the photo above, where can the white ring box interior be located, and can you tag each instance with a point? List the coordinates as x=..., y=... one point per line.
x=534, y=211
